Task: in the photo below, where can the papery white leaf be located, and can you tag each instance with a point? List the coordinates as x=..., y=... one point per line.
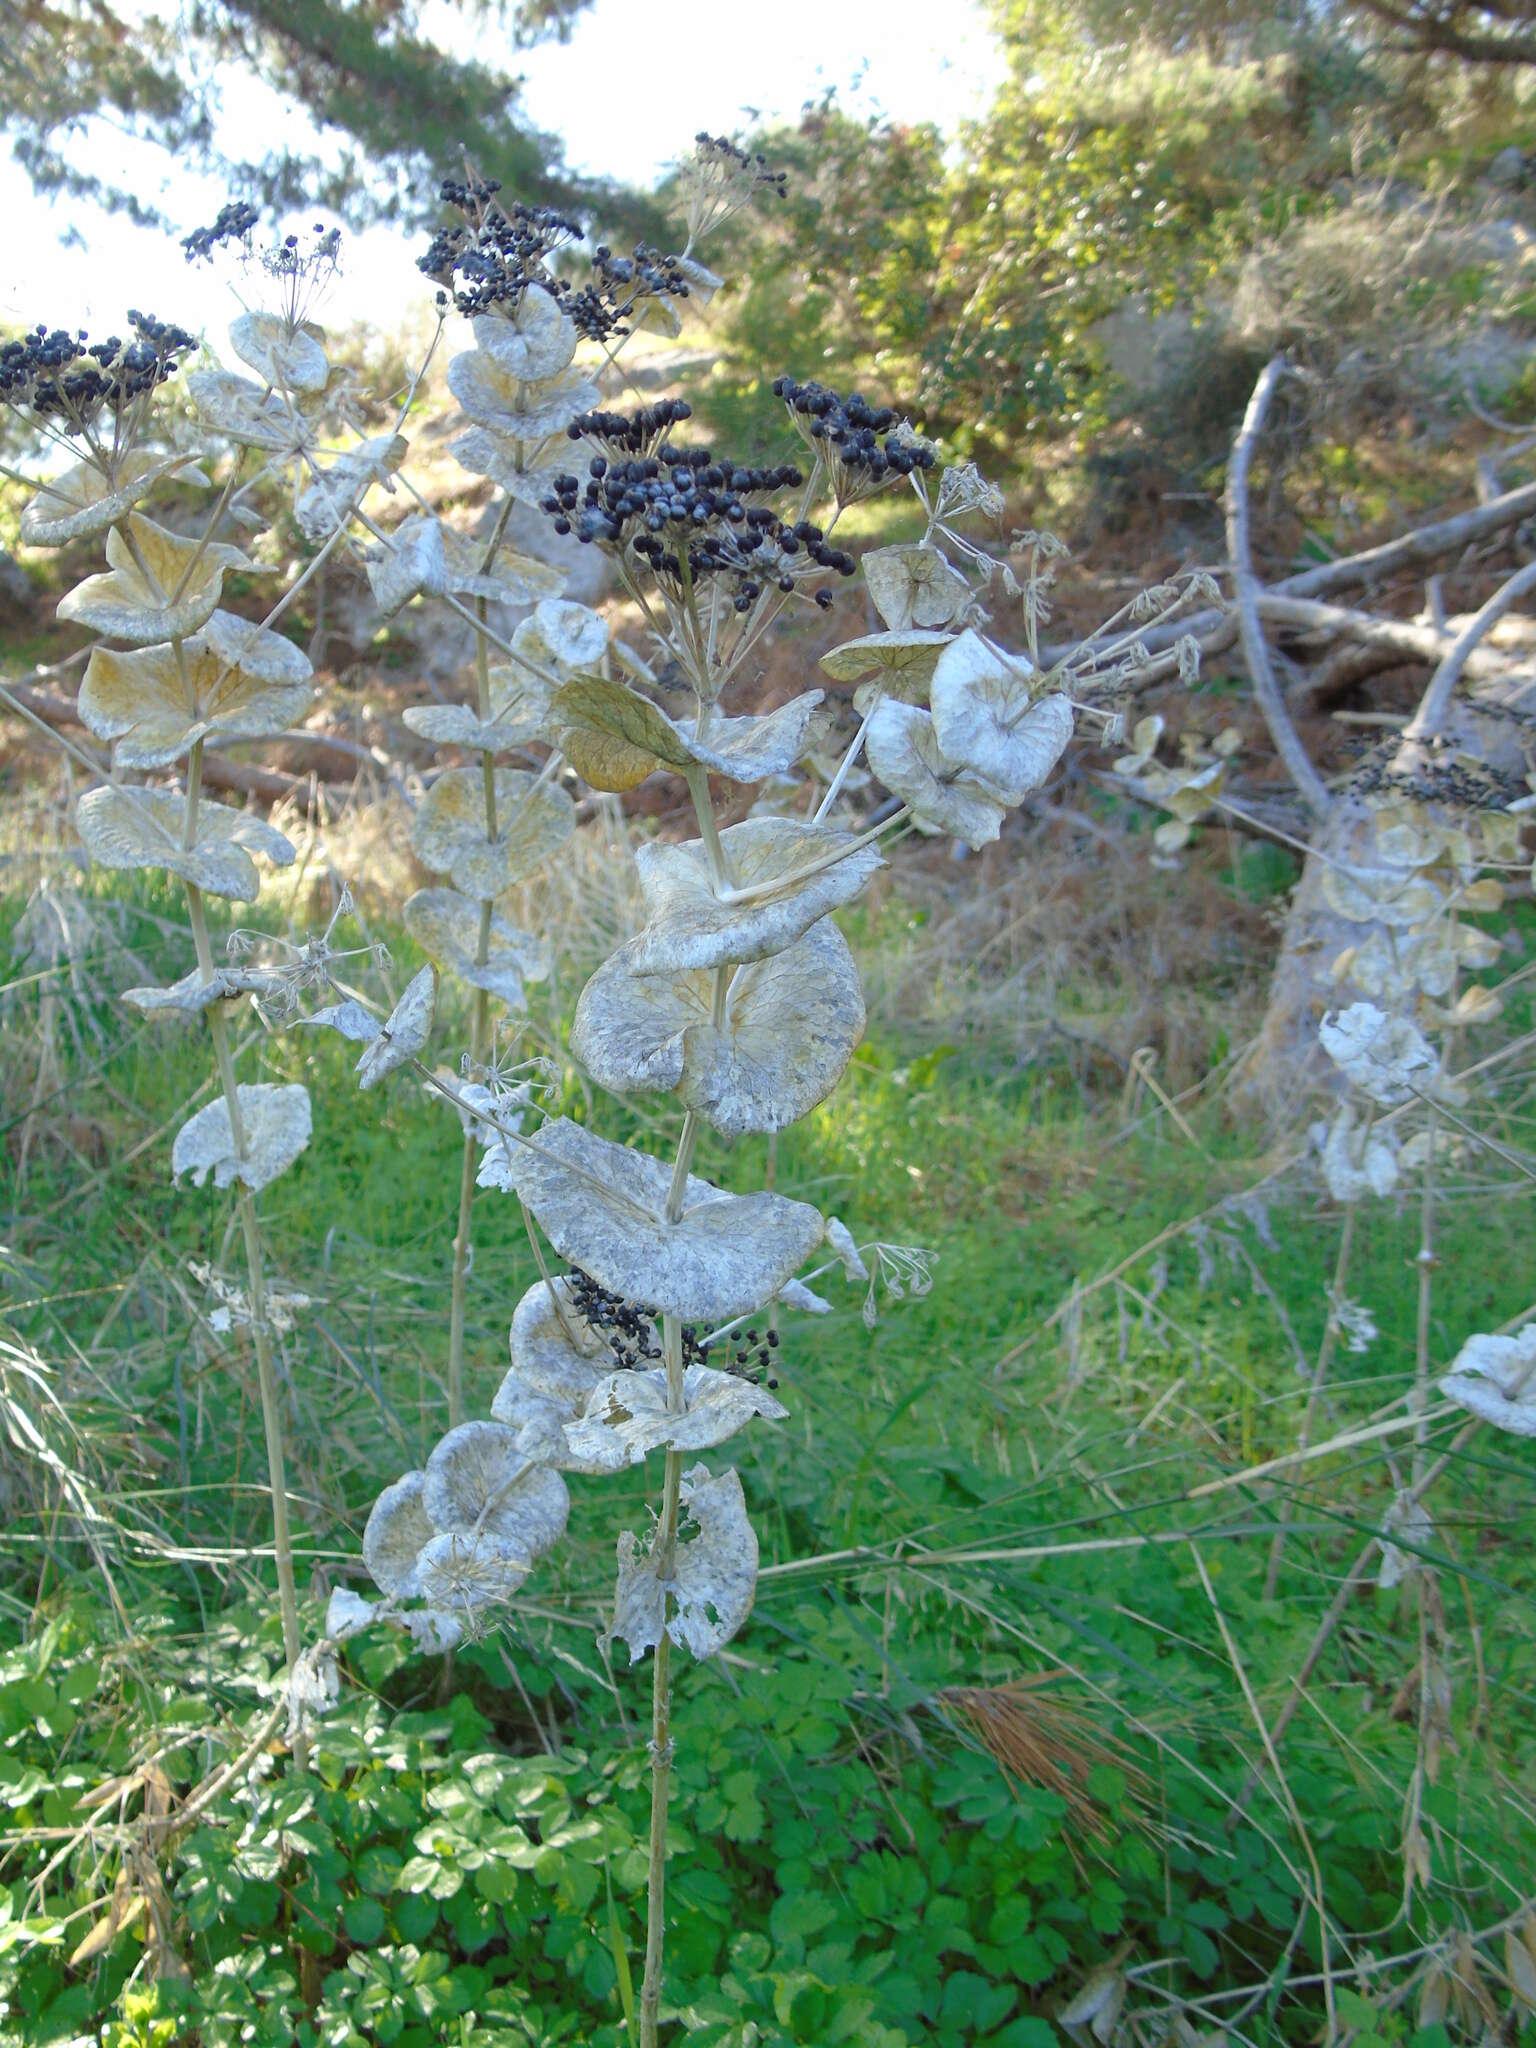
x=1359, y=1158
x=1495, y=1378
x=248, y=413
x=812, y=869
x=519, y=705
x=397, y=1531
x=507, y=578
x=795, y=1294
x=477, y=1480
x=192, y=994
x=129, y=604
x=411, y=563
x=1387, y=1058
x=713, y=1578
x=446, y=926
x=331, y=499
x=901, y=664
x=561, y=635
x=1380, y=895
x=284, y=354
x=406, y=1030
x=432, y=1630
x=627, y=1416
x=81, y=502
x=275, y=1118
x=463, y=1575
x=347, y=1613
x=349, y=1019
x=702, y=282
x=787, y=1030
x=536, y=340
x=913, y=586
x=554, y=1349
x=144, y=828
x=512, y=406
x=903, y=751
x=524, y=470
x=840, y=1239
x=986, y=719
x=448, y=832
x=752, y=749
x=603, y=1206
x=1409, y=1519
x=155, y=705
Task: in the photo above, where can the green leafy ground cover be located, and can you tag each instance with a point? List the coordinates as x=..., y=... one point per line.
x=965, y=1497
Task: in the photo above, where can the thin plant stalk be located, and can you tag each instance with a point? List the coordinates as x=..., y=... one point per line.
x=1319, y=1378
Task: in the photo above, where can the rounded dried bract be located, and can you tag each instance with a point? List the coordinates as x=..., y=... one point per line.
x=404, y=1033
x=713, y=1578
x=275, y=1127
x=524, y=471
x=914, y=588
x=900, y=664
x=1359, y=1160
x=449, y=832
x=554, y=1349
x=330, y=500
x=987, y=719
x=626, y=1415
x=158, y=587
x=1495, y=1378
x=251, y=415
x=233, y=681
x=446, y=926
x=145, y=828
x=796, y=873
x=561, y=635
x=508, y=404
x=287, y=354
x=787, y=1030
x=538, y=339
x=1387, y=1058
x=82, y=501
x=479, y=1481
x=904, y=751
x=519, y=706
x=462, y=1575
x=603, y=1207
x=411, y=563
x=397, y=1531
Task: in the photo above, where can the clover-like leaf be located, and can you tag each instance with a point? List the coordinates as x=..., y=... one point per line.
x=787, y=1029
x=512, y=405
x=1358, y=1158
x=406, y=1030
x=791, y=873
x=1387, y=1058
x=627, y=1416
x=275, y=1126
x=232, y=681
x=603, y=1207
x=397, y=1531
x=987, y=720
x=900, y=664
x=904, y=751
x=479, y=1483
x=446, y=926
x=144, y=828
x=1495, y=1378
x=534, y=340
x=914, y=587
x=713, y=1576
x=286, y=353
x=449, y=835
x=159, y=586
x=334, y=495
x=85, y=500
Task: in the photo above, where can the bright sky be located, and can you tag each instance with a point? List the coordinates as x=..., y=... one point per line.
x=721, y=69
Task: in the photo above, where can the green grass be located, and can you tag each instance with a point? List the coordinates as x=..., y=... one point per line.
x=966, y=1495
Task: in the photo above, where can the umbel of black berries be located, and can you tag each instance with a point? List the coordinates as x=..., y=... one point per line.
x=636, y=433
x=236, y=220
x=851, y=430
x=647, y=274
x=630, y=1331
x=751, y=162
x=491, y=257
x=53, y=373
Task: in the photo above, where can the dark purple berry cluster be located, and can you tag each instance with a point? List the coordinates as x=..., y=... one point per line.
x=630, y=1332
x=491, y=256
x=635, y=433
x=750, y=163
x=53, y=373
x=648, y=274
x=863, y=441
x=236, y=221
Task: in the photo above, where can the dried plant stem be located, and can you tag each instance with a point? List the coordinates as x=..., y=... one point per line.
x=661, y=1710
x=1319, y=1379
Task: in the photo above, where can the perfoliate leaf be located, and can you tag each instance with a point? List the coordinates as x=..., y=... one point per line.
x=406, y=1030
x=168, y=588
x=348, y=1020
x=1358, y=1158
x=524, y=470
x=1495, y=1377
x=555, y=1351
x=411, y=563
x=753, y=749
x=520, y=711
x=449, y=832
x=82, y=502
x=331, y=499
x=232, y=681
x=561, y=636
x=143, y=828
x=537, y=339
x=603, y=1207
x=512, y=405
x=627, y=1415
x=1390, y=896
x=283, y=354
x=840, y=1239
x=252, y=415
x=904, y=752
x=613, y=737
x=713, y=1577
x=506, y=578
x=446, y=926
x=192, y=994
x=901, y=664
x=275, y=1125
x=915, y=587
x=1387, y=1058
x=397, y=1531
x=988, y=720
x=347, y=1613
x=479, y=1483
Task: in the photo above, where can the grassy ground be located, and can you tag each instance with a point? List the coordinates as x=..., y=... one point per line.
x=991, y=1763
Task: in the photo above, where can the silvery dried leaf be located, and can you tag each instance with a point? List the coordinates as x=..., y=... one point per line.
x=537, y=339
x=249, y=414
x=1495, y=1378
x=987, y=720
x=612, y=735
x=139, y=604
x=1359, y=1159
x=726, y=1256
x=561, y=636
x=143, y=828
x=275, y=1119
x=515, y=407
x=752, y=749
x=541, y=1424
x=347, y=1018
x=155, y=705
x=412, y=563
x=901, y=664
x=795, y=1294
x=840, y=1239
x=433, y=1630
x=1095, y=2012
x=479, y=1482
x=313, y=1687
x=1387, y=1058
x=787, y=1031
x=446, y=926
x=525, y=471
x=520, y=711
x=463, y=1575
x=347, y=1613
x=81, y=501
x=806, y=869
x=1408, y=1519
x=627, y=1415
x=554, y=1349
x=331, y=499
x=448, y=833
x=713, y=1578
x=192, y=994
x=397, y=1531
x=913, y=586
x=702, y=283
x=1380, y=895
x=506, y=578
x=904, y=752
x=286, y=354
x=406, y=1030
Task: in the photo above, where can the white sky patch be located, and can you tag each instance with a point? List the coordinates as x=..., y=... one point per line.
x=71, y=264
